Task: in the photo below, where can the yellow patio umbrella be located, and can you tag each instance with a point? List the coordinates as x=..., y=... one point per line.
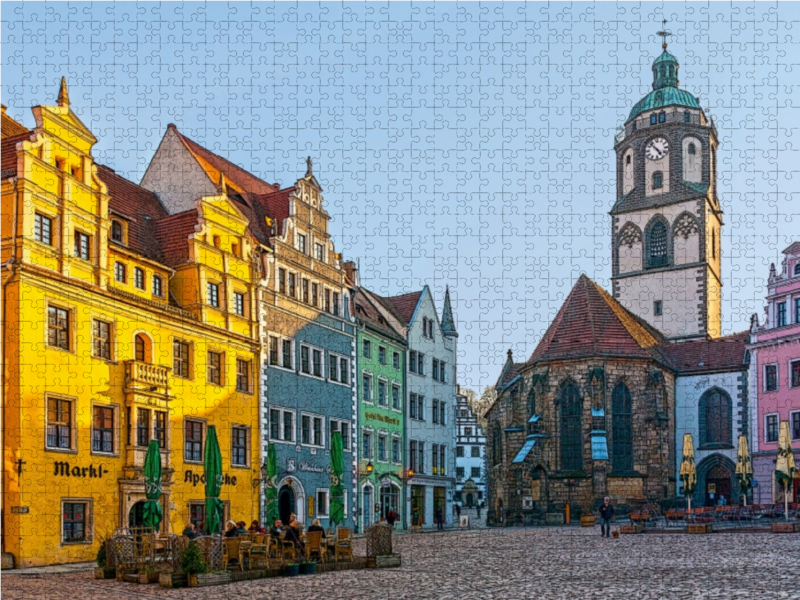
x=784, y=465
x=744, y=468
x=688, y=469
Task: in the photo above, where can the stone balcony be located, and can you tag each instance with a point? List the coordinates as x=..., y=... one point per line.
x=146, y=384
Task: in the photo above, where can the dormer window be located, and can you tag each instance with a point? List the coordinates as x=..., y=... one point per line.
x=658, y=180
x=117, y=232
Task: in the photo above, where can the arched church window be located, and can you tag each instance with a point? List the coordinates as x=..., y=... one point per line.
x=497, y=451
x=715, y=419
x=657, y=245
x=658, y=180
x=662, y=117
x=531, y=402
x=571, y=439
x=692, y=148
x=621, y=429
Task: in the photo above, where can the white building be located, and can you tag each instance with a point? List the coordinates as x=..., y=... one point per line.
x=470, y=456
x=430, y=405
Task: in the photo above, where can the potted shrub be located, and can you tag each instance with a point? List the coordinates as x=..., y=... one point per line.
x=587, y=508
x=308, y=568
x=192, y=563
x=103, y=571
x=290, y=570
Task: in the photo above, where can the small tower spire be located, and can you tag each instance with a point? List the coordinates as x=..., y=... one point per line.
x=63, y=94
x=448, y=322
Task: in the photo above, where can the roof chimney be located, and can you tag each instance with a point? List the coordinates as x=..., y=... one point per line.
x=351, y=271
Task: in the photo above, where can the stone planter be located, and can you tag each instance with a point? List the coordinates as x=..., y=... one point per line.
x=308, y=568
x=206, y=579
x=631, y=529
x=173, y=580
x=147, y=577
x=699, y=528
x=290, y=570
x=587, y=521
x=104, y=573
x=388, y=561
x=786, y=527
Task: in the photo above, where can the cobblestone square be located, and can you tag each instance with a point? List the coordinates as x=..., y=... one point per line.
x=556, y=563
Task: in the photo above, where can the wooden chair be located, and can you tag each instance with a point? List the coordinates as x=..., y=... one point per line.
x=344, y=544
x=314, y=545
x=288, y=549
x=231, y=550
x=258, y=551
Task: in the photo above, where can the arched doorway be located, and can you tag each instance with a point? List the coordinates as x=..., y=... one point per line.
x=715, y=475
x=286, y=503
x=136, y=515
x=718, y=483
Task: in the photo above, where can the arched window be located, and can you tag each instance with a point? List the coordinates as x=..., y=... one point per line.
x=715, y=419
x=657, y=245
x=142, y=350
x=621, y=429
x=658, y=180
x=571, y=433
x=497, y=450
x=692, y=148
x=531, y=402
x=117, y=232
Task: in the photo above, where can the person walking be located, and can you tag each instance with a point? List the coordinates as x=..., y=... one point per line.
x=479, y=512
x=391, y=517
x=458, y=512
x=606, y=514
x=439, y=519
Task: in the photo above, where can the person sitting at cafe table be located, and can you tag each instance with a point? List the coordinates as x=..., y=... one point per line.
x=231, y=530
x=240, y=528
x=256, y=528
x=293, y=534
x=189, y=531
x=315, y=526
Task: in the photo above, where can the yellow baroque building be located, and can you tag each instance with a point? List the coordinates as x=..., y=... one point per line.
x=122, y=323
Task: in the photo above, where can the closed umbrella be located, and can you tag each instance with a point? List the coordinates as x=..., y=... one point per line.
x=688, y=469
x=271, y=467
x=152, y=487
x=213, y=472
x=784, y=465
x=337, y=489
x=744, y=468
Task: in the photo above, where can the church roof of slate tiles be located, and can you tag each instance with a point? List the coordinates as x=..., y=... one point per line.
x=403, y=306
x=591, y=323
x=704, y=356
x=140, y=208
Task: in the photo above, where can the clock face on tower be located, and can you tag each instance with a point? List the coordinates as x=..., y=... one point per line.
x=657, y=148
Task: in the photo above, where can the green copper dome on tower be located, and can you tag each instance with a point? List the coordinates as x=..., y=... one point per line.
x=665, y=87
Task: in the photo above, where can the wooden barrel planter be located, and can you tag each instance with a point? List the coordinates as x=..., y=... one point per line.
x=587, y=521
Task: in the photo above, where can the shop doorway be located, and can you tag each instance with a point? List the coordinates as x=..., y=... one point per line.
x=389, y=499
x=136, y=515
x=417, y=505
x=286, y=503
x=439, y=503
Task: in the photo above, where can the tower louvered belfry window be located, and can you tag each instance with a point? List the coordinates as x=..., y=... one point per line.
x=658, y=245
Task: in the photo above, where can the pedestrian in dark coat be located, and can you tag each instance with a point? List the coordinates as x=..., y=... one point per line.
x=606, y=514
x=439, y=518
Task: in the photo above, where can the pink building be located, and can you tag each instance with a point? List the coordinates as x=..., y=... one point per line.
x=775, y=375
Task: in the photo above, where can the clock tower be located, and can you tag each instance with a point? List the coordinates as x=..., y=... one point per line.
x=666, y=219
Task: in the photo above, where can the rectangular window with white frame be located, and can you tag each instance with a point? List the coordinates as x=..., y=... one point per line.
x=322, y=503
x=366, y=387
x=43, y=229
x=366, y=445
x=771, y=423
x=287, y=355
x=240, y=445
x=396, y=444
x=101, y=339
x=343, y=427
x=383, y=400
x=412, y=361
x=435, y=369
x=383, y=441
x=382, y=355
x=794, y=373
x=412, y=406
x=193, y=440
x=281, y=425
x=396, y=398
x=344, y=370
x=771, y=378
x=794, y=424
x=420, y=364
x=76, y=521
x=395, y=360
x=212, y=294
x=311, y=430
x=60, y=424
x=104, y=429
x=238, y=303
x=305, y=359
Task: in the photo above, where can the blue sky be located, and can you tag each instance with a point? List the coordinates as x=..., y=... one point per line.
x=460, y=144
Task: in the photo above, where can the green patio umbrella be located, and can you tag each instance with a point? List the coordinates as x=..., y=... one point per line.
x=152, y=487
x=337, y=489
x=784, y=465
x=271, y=467
x=212, y=463
x=744, y=468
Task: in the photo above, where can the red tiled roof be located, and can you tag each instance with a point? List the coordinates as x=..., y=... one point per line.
x=246, y=182
x=403, y=306
x=701, y=356
x=370, y=314
x=592, y=323
x=8, y=150
x=274, y=205
x=141, y=206
x=173, y=233
x=10, y=127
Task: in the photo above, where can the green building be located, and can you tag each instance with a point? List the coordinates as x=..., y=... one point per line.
x=380, y=373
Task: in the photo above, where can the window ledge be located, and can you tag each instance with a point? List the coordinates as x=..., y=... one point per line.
x=715, y=447
x=61, y=450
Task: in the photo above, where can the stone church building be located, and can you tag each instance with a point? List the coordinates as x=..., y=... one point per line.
x=594, y=409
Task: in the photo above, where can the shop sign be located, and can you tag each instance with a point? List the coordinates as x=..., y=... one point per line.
x=63, y=469
x=194, y=478
x=384, y=418
x=20, y=510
